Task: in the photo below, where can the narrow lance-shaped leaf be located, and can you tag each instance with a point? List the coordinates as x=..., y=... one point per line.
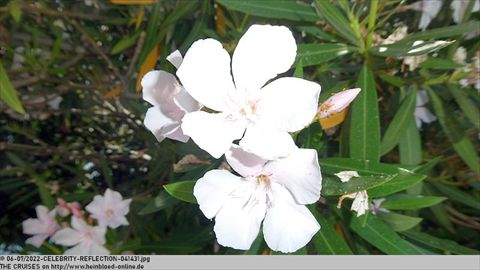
x=399, y=222
x=365, y=122
x=315, y=54
x=442, y=244
x=411, y=202
x=327, y=241
x=337, y=20
x=457, y=137
x=7, y=92
x=399, y=124
x=465, y=104
x=290, y=10
x=382, y=236
x=445, y=32
x=410, y=144
x=182, y=190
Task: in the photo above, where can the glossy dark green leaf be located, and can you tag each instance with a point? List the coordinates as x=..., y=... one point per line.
x=379, y=234
x=365, y=121
x=458, y=195
x=332, y=186
x=410, y=144
x=439, y=243
x=182, y=190
x=315, y=54
x=397, y=128
x=461, y=143
x=327, y=241
x=399, y=222
x=404, y=180
x=407, y=48
x=406, y=202
x=439, y=63
x=444, y=32
x=466, y=104
x=283, y=9
x=335, y=17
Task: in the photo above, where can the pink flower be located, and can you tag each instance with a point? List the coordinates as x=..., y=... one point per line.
x=110, y=210
x=84, y=238
x=337, y=102
x=41, y=227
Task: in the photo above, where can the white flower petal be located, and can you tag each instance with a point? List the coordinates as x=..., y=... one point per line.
x=237, y=223
x=243, y=162
x=96, y=249
x=338, y=102
x=67, y=237
x=213, y=132
x=186, y=102
x=205, y=74
x=178, y=135
x=37, y=240
x=288, y=226
x=175, y=58
x=345, y=176
x=33, y=226
x=213, y=189
x=262, y=53
x=288, y=104
x=159, y=123
x=159, y=87
x=422, y=98
x=424, y=115
x=299, y=173
x=360, y=203
x=267, y=143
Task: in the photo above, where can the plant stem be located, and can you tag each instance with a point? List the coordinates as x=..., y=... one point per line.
x=371, y=22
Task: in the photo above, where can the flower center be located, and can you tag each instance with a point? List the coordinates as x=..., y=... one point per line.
x=109, y=213
x=248, y=110
x=263, y=181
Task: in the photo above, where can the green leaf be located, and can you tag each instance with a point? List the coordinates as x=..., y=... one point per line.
x=410, y=144
x=439, y=210
x=335, y=165
x=406, y=48
x=439, y=63
x=444, y=32
x=160, y=202
x=7, y=93
x=337, y=20
x=406, y=202
x=382, y=236
x=466, y=104
x=458, y=195
x=182, y=190
x=332, y=186
x=365, y=122
x=399, y=124
x=397, y=184
x=315, y=54
x=457, y=137
x=283, y=9
x=327, y=241
x=125, y=42
x=43, y=191
x=399, y=222
x=15, y=10
x=298, y=73
x=442, y=244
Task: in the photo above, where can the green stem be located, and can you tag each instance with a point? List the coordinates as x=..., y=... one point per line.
x=371, y=22
x=52, y=248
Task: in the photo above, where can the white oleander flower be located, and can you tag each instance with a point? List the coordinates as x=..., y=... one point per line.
x=459, y=7
x=422, y=114
x=84, y=238
x=41, y=227
x=170, y=102
x=337, y=102
x=429, y=9
x=260, y=114
x=274, y=192
x=396, y=36
x=109, y=210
